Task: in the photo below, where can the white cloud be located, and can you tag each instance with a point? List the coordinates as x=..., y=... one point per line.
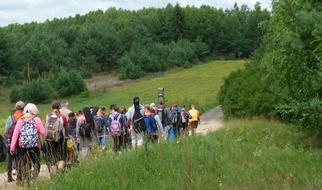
x=22, y=11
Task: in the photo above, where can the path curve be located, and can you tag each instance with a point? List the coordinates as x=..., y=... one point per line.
x=210, y=121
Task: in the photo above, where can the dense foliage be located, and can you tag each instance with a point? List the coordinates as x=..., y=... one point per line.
x=42, y=90
x=132, y=43
x=284, y=79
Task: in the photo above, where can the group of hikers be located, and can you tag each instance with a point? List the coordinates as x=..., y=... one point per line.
x=67, y=136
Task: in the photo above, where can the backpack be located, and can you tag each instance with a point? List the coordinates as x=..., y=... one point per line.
x=138, y=119
x=3, y=149
x=99, y=124
x=115, y=128
x=174, y=115
x=72, y=127
x=29, y=134
x=160, y=113
x=53, y=127
x=12, y=128
x=70, y=144
x=85, y=129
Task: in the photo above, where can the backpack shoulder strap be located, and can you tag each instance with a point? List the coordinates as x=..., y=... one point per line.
x=13, y=119
x=119, y=116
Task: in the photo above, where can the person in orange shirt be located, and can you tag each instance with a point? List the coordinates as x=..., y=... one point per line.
x=8, y=132
x=194, y=121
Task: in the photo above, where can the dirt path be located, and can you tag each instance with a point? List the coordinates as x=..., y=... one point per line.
x=210, y=121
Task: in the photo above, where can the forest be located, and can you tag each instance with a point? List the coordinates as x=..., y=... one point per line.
x=283, y=80
x=130, y=43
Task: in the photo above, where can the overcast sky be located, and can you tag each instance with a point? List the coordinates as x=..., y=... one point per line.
x=26, y=11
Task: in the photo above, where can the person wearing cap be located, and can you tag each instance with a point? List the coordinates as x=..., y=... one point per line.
x=55, y=150
x=137, y=138
x=194, y=121
x=8, y=132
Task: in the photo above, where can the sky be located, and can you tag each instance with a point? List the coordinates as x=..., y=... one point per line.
x=26, y=11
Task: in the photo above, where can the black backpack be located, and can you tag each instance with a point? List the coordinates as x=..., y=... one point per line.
x=138, y=119
x=85, y=129
x=3, y=149
x=99, y=124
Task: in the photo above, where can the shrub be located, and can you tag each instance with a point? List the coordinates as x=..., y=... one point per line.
x=245, y=93
x=15, y=94
x=67, y=83
x=37, y=91
x=128, y=70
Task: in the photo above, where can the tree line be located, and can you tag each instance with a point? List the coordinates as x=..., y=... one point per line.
x=284, y=77
x=130, y=43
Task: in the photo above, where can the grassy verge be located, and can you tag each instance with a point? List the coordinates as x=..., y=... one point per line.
x=245, y=154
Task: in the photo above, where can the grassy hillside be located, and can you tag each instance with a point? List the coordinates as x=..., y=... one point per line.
x=245, y=154
x=198, y=85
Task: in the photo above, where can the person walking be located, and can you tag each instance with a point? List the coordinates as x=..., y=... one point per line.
x=26, y=143
x=117, y=126
x=100, y=121
x=136, y=136
x=8, y=132
x=85, y=131
x=151, y=126
x=57, y=126
x=194, y=121
x=183, y=121
x=64, y=110
x=165, y=118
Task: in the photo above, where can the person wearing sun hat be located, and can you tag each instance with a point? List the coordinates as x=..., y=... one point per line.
x=8, y=132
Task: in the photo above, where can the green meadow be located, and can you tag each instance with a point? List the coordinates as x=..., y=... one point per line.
x=244, y=154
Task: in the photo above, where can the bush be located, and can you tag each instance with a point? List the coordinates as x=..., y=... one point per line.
x=37, y=91
x=15, y=94
x=244, y=93
x=128, y=70
x=67, y=83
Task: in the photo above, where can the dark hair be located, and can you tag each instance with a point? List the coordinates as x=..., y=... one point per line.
x=71, y=114
x=115, y=108
x=136, y=99
x=88, y=116
x=112, y=106
x=122, y=110
x=55, y=104
x=136, y=102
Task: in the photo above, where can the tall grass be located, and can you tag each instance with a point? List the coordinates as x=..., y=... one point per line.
x=245, y=154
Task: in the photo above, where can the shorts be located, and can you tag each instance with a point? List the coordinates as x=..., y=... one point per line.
x=137, y=138
x=194, y=124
